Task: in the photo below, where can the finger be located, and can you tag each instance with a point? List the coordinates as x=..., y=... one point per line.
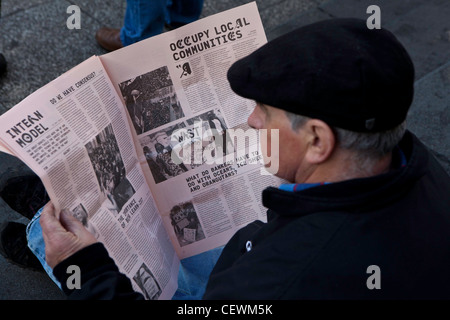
x=49, y=209
x=49, y=222
x=75, y=227
x=52, y=230
x=70, y=222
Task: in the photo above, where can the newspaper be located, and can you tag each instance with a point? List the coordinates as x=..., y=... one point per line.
x=102, y=138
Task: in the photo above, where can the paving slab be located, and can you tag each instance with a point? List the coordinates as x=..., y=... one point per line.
x=429, y=116
x=422, y=26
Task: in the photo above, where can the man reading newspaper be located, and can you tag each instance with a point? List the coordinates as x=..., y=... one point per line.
x=366, y=214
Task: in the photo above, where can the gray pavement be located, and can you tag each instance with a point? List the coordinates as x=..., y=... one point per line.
x=39, y=47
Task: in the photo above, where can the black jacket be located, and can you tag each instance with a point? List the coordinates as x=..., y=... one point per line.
x=324, y=242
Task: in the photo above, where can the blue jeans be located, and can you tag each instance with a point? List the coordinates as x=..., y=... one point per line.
x=192, y=277
x=146, y=18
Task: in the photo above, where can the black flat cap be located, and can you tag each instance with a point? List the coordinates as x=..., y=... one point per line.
x=335, y=70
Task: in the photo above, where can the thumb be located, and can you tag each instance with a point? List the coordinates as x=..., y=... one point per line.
x=49, y=222
x=70, y=223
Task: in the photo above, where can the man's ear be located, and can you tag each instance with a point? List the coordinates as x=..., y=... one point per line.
x=321, y=141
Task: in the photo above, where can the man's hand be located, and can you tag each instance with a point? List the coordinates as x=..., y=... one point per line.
x=64, y=236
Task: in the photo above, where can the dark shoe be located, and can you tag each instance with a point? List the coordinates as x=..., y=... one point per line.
x=109, y=39
x=2, y=64
x=14, y=246
x=25, y=195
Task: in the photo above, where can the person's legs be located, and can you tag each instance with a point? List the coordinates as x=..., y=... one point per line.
x=182, y=12
x=147, y=18
x=192, y=277
x=25, y=195
x=143, y=19
x=37, y=245
x=14, y=246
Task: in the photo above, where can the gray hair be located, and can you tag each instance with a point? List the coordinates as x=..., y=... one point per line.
x=367, y=147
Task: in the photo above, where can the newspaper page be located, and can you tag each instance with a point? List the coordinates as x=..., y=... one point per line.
x=75, y=135
x=189, y=126
x=5, y=149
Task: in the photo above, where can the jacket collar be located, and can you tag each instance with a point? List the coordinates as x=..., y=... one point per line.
x=356, y=195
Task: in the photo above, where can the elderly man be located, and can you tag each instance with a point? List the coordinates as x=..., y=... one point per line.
x=367, y=213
